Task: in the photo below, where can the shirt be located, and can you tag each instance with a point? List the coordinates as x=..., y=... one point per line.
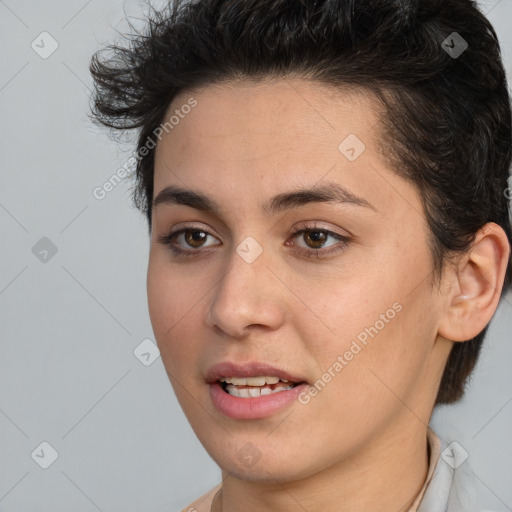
x=447, y=488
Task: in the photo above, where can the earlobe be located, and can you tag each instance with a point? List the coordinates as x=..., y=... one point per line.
x=476, y=290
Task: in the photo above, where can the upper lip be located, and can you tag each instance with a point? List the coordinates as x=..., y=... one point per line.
x=248, y=369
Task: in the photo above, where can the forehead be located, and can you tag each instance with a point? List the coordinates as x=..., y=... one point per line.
x=255, y=139
x=270, y=122
x=297, y=110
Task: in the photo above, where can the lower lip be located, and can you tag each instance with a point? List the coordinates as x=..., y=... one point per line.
x=252, y=408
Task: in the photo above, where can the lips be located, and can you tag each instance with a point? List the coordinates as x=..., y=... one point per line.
x=238, y=401
x=251, y=369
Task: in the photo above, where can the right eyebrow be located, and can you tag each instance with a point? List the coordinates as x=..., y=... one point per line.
x=186, y=197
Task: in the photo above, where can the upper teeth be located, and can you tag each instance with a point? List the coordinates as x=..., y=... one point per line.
x=251, y=381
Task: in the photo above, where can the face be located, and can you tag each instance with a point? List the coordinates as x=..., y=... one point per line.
x=309, y=255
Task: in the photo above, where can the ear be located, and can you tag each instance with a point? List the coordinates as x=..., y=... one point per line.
x=476, y=284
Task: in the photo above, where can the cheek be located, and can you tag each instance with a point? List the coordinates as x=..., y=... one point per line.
x=342, y=310
x=368, y=325
x=161, y=300
x=173, y=317
x=172, y=293
x=173, y=307
x=384, y=361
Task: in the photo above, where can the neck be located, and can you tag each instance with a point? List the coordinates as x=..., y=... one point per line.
x=387, y=477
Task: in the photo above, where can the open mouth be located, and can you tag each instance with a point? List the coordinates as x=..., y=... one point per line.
x=253, y=387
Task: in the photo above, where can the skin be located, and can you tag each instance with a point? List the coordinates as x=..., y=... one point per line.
x=360, y=443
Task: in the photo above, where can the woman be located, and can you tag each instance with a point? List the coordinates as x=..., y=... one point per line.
x=325, y=189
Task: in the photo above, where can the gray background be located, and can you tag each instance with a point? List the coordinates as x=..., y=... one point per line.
x=69, y=324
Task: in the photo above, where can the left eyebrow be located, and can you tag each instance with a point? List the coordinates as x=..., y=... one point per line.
x=327, y=193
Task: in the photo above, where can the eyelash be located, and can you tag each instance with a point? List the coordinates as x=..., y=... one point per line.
x=170, y=238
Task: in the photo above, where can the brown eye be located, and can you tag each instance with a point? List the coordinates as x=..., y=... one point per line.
x=315, y=238
x=189, y=241
x=195, y=238
x=313, y=242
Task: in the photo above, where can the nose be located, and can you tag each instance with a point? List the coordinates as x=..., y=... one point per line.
x=248, y=295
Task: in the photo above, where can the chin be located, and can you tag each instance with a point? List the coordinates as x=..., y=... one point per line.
x=249, y=458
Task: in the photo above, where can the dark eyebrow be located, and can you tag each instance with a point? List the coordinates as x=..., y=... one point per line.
x=178, y=195
x=329, y=192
